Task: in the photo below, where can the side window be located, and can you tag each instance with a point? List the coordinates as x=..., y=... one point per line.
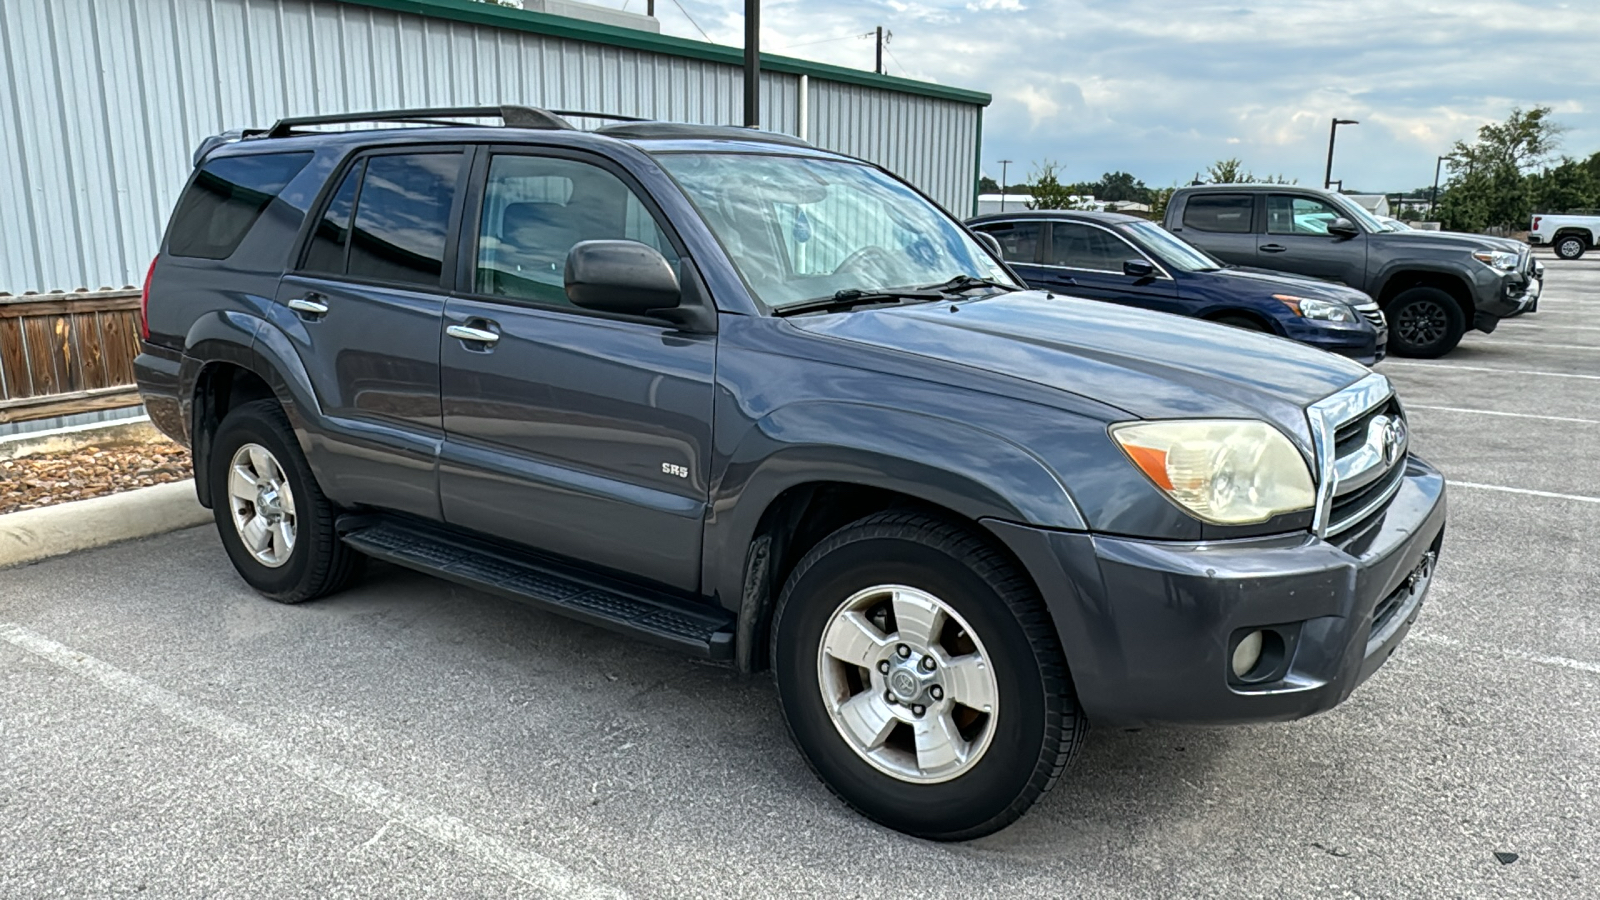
x=1226, y=213
x=1298, y=215
x=535, y=208
x=332, y=233
x=1087, y=247
x=402, y=218
x=225, y=199
x=1019, y=241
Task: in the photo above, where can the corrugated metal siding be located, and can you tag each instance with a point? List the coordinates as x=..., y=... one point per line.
x=103, y=101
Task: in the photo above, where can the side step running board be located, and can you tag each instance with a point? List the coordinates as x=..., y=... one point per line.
x=699, y=630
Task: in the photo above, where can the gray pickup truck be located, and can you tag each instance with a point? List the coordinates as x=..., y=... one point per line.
x=769, y=406
x=1432, y=286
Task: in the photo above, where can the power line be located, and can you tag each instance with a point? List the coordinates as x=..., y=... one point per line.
x=691, y=20
x=842, y=37
x=903, y=69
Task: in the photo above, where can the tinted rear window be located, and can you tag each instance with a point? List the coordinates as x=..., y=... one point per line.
x=403, y=216
x=1227, y=213
x=225, y=199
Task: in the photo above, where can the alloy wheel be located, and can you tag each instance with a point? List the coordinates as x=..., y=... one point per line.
x=262, y=505
x=1422, y=323
x=908, y=684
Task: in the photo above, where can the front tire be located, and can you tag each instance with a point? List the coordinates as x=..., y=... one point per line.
x=1571, y=246
x=275, y=523
x=922, y=678
x=1424, y=323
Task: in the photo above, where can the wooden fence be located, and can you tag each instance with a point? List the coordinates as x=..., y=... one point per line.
x=67, y=353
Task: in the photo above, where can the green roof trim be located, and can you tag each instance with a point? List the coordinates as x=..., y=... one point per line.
x=495, y=16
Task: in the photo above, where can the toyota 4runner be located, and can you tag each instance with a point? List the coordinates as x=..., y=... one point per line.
x=770, y=406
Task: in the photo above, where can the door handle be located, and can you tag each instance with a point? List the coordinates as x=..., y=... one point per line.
x=309, y=305
x=1067, y=281
x=475, y=335
x=1272, y=248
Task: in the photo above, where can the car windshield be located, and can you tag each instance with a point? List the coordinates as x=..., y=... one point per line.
x=802, y=229
x=1173, y=251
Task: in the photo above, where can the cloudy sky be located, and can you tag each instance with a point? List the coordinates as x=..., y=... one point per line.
x=1161, y=88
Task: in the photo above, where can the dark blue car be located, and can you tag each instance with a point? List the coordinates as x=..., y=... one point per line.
x=1127, y=260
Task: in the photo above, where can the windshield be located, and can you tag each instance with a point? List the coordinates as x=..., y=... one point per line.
x=1173, y=251
x=805, y=229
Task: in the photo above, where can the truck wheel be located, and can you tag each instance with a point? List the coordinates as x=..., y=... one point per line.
x=1425, y=323
x=1571, y=246
x=275, y=524
x=922, y=678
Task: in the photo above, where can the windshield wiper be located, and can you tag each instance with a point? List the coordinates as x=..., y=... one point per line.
x=965, y=282
x=850, y=298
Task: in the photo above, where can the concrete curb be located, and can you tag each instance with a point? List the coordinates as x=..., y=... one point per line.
x=35, y=534
x=118, y=432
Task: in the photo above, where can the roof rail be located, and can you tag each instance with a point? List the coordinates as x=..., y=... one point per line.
x=642, y=130
x=511, y=116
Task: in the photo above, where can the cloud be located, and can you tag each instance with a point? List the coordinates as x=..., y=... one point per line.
x=1162, y=88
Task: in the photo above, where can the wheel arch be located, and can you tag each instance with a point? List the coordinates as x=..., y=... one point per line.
x=1450, y=282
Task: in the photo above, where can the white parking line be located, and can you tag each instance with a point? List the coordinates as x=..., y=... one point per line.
x=1560, y=662
x=1505, y=343
x=1531, y=493
x=1434, y=365
x=545, y=875
x=1495, y=412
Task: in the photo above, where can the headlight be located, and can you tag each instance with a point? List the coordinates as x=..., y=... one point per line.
x=1312, y=308
x=1503, y=260
x=1224, y=471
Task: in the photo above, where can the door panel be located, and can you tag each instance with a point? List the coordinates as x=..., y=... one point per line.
x=574, y=433
x=365, y=314
x=1297, y=241
x=581, y=436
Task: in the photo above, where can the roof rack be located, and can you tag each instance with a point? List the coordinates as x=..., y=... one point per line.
x=510, y=116
x=643, y=130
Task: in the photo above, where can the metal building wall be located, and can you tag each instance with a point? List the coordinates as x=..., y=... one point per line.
x=103, y=101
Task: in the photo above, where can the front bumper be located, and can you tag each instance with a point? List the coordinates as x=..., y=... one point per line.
x=1149, y=626
x=1363, y=343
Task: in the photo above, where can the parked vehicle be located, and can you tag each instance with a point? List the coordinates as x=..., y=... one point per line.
x=1432, y=286
x=1569, y=236
x=1123, y=259
x=770, y=406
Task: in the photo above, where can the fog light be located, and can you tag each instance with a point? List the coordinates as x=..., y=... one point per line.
x=1246, y=654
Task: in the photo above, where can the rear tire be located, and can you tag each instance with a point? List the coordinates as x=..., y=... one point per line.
x=1571, y=246
x=890, y=731
x=275, y=523
x=1424, y=323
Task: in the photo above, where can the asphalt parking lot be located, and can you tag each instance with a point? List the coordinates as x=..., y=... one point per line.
x=164, y=732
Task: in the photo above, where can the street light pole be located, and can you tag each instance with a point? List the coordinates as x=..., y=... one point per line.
x=1004, y=165
x=752, y=63
x=1333, y=131
x=1433, y=202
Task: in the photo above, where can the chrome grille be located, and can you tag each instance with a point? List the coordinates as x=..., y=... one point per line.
x=1361, y=441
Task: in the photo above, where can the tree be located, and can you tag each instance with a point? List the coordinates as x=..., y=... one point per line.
x=1490, y=182
x=1159, y=198
x=1120, y=187
x=1524, y=141
x=987, y=185
x=1232, y=171
x=1570, y=185
x=1048, y=191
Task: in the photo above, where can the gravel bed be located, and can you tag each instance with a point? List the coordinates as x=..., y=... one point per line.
x=51, y=478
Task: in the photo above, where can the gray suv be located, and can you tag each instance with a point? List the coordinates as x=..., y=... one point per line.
x=1432, y=286
x=770, y=406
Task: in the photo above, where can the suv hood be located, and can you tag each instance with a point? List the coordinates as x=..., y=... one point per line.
x=1152, y=365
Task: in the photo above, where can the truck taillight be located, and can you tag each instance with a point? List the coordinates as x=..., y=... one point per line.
x=144, y=302
x=1535, y=223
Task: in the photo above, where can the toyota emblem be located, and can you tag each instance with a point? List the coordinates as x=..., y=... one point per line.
x=1394, y=440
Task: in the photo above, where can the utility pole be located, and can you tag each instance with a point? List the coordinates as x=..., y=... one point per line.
x=878, y=65
x=1004, y=165
x=1433, y=202
x=752, y=63
x=1327, y=177
x=650, y=8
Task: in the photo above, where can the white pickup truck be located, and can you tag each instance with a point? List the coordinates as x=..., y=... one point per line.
x=1569, y=235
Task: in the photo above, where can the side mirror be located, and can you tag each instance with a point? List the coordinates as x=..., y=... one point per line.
x=1342, y=227
x=1138, y=268
x=990, y=241
x=624, y=277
